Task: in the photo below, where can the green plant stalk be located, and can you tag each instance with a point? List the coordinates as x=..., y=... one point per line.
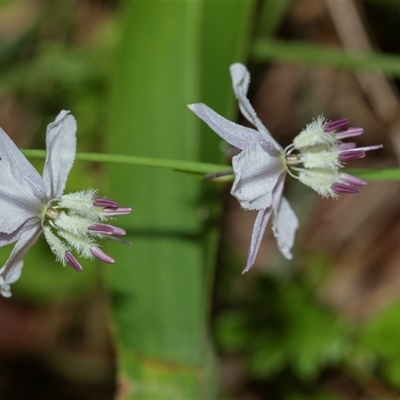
x=193, y=167
x=177, y=165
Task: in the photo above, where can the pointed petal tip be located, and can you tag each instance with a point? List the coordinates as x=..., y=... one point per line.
x=237, y=67
x=245, y=270
x=195, y=106
x=62, y=114
x=5, y=289
x=288, y=256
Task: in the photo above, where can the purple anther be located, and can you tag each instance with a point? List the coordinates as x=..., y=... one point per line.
x=73, y=262
x=103, y=202
x=101, y=255
x=105, y=229
x=351, y=132
x=351, y=154
x=101, y=229
x=343, y=188
x=352, y=180
x=110, y=212
x=347, y=146
x=333, y=125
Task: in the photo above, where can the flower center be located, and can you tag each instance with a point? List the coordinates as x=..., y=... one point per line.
x=76, y=222
x=51, y=214
x=293, y=160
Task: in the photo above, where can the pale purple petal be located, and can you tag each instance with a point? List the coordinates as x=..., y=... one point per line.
x=240, y=81
x=61, y=149
x=258, y=232
x=236, y=135
x=18, y=202
x=256, y=174
x=284, y=227
x=22, y=168
x=11, y=271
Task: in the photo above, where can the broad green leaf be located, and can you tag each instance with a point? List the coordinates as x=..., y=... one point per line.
x=160, y=286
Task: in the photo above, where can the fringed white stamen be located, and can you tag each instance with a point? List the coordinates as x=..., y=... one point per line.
x=320, y=180
x=78, y=201
x=328, y=160
x=81, y=204
x=314, y=134
x=82, y=246
x=66, y=222
x=57, y=246
x=74, y=224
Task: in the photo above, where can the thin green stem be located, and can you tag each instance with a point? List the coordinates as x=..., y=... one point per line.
x=176, y=165
x=210, y=170
x=305, y=53
x=371, y=175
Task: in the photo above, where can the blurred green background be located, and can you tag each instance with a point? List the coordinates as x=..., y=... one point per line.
x=174, y=318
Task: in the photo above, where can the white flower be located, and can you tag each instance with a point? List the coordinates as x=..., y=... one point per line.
x=32, y=204
x=260, y=168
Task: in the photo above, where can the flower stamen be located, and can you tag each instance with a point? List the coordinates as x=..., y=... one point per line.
x=73, y=262
x=320, y=154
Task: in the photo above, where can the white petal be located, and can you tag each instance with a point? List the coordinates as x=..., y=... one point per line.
x=258, y=232
x=237, y=135
x=26, y=237
x=256, y=174
x=61, y=149
x=284, y=227
x=18, y=202
x=22, y=168
x=240, y=81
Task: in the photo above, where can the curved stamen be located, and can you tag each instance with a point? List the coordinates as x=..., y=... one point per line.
x=288, y=149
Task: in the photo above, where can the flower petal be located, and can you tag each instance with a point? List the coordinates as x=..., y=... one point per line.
x=240, y=81
x=22, y=168
x=256, y=175
x=236, y=135
x=258, y=232
x=18, y=202
x=26, y=237
x=61, y=149
x=284, y=227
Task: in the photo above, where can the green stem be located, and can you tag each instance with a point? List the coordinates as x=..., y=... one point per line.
x=306, y=53
x=387, y=174
x=371, y=175
x=177, y=165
